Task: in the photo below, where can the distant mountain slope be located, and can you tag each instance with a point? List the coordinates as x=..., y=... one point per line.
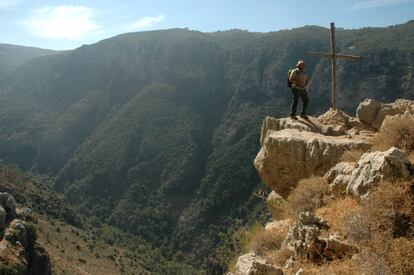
x=156, y=132
x=12, y=56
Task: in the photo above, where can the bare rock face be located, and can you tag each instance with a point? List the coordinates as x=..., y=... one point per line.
x=252, y=264
x=289, y=155
x=376, y=166
x=359, y=178
x=9, y=204
x=337, y=119
x=323, y=124
x=276, y=203
x=373, y=113
x=367, y=110
x=303, y=239
x=338, y=176
x=19, y=251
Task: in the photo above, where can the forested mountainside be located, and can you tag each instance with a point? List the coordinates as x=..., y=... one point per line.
x=155, y=132
x=12, y=56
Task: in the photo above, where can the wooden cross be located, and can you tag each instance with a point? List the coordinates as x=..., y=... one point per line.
x=333, y=56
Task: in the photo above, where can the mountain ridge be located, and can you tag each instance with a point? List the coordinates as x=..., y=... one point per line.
x=156, y=132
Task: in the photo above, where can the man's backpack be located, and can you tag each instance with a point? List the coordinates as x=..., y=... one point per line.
x=288, y=80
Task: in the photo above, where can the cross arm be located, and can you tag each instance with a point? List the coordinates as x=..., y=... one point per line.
x=338, y=56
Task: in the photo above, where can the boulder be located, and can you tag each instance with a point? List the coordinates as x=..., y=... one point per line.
x=367, y=110
x=252, y=264
x=276, y=203
x=375, y=167
x=338, y=176
x=388, y=125
x=337, y=119
x=303, y=239
x=373, y=113
x=289, y=155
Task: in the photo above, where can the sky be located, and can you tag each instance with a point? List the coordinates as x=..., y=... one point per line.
x=68, y=24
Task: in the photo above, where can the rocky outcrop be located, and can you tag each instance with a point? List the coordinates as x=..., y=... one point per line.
x=373, y=113
x=276, y=203
x=19, y=252
x=252, y=264
x=8, y=203
x=375, y=167
x=358, y=179
x=315, y=125
x=303, y=239
x=338, y=176
x=303, y=236
x=290, y=155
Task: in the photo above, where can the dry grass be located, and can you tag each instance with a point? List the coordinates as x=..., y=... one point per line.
x=279, y=257
x=71, y=251
x=261, y=241
x=383, y=226
x=337, y=211
x=340, y=267
x=266, y=241
x=398, y=132
x=258, y=240
x=309, y=195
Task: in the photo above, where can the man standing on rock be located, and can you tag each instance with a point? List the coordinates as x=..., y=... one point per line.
x=299, y=81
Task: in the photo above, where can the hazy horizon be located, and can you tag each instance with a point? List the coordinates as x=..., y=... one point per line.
x=63, y=25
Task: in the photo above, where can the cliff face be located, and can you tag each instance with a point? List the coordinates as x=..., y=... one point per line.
x=155, y=132
x=337, y=182
x=19, y=251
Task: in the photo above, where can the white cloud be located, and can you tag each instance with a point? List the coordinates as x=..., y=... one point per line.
x=62, y=22
x=146, y=22
x=368, y=4
x=4, y=4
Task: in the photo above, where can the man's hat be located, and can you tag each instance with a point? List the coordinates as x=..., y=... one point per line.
x=300, y=62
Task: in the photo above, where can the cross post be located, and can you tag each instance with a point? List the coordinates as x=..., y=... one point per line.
x=333, y=56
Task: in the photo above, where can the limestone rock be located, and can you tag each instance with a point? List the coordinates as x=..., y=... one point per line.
x=252, y=264
x=376, y=166
x=389, y=121
x=303, y=239
x=290, y=155
x=276, y=203
x=367, y=110
x=338, y=176
x=278, y=124
x=9, y=204
x=312, y=124
x=373, y=113
x=337, y=119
